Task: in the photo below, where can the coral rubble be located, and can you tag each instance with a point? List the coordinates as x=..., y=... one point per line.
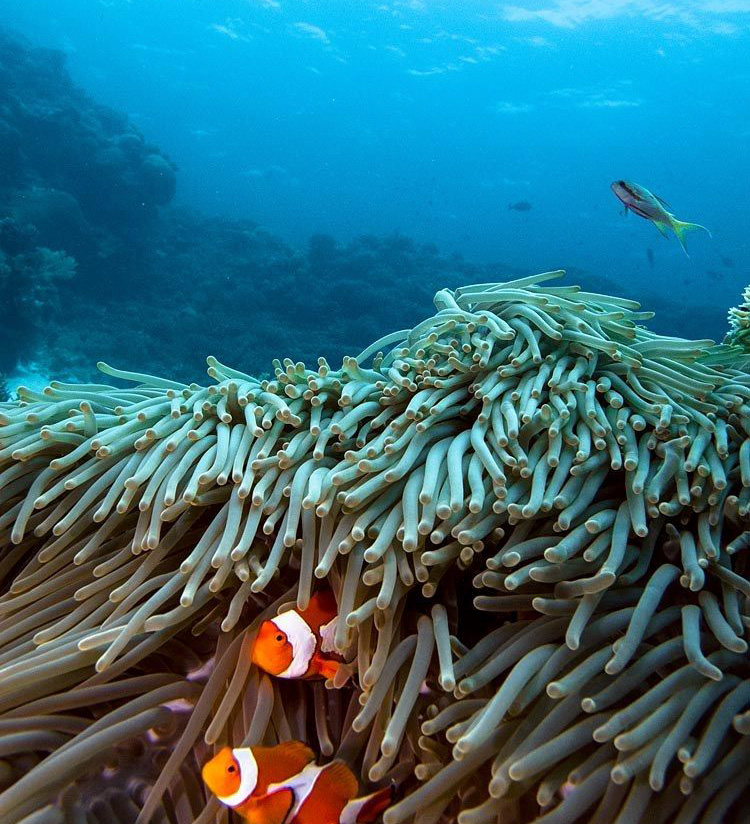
x=533, y=513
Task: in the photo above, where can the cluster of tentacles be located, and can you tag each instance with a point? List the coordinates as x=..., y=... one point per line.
x=533, y=513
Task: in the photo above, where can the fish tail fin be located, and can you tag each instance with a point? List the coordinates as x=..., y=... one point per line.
x=682, y=227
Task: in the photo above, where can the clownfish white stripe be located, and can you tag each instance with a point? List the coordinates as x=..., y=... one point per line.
x=301, y=786
x=350, y=813
x=302, y=639
x=248, y=777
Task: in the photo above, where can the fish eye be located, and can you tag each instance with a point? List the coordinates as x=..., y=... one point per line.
x=231, y=768
x=279, y=638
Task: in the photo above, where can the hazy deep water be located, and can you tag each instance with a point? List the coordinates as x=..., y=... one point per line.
x=177, y=175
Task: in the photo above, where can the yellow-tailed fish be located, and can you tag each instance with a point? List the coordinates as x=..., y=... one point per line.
x=646, y=204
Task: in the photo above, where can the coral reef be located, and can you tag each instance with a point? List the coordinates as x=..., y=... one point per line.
x=79, y=178
x=86, y=155
x=30, y=290
x=739, y=324
x=79, y=189
x=230, y=278
x=533, y=513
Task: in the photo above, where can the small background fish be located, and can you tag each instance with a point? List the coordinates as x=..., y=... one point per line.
x=646, y=204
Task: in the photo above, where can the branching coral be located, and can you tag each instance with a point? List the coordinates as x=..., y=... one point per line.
x=532, y=512
x=739, y=323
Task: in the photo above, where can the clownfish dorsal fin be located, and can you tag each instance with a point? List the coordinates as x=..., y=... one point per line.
x=277, y=764
x=337, y=781
x=295, y=751
x=321, y=609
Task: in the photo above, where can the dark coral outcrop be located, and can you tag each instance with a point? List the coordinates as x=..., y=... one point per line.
x=137, y=279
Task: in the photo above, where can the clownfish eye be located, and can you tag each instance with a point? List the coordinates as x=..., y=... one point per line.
x=231, y=768
x=279, y=638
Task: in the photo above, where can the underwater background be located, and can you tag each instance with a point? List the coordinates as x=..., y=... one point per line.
x=481, y=558
x=262, y=178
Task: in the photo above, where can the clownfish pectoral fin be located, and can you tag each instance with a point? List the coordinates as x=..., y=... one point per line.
x=331, y=670
x=268, y=809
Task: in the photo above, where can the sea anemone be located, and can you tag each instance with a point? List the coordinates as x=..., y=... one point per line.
x=532, y=512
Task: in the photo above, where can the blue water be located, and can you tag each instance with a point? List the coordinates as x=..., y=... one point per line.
x=429, y=118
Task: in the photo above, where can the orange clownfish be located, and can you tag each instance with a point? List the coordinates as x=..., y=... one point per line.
x=283, y=785
x=300, y=644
